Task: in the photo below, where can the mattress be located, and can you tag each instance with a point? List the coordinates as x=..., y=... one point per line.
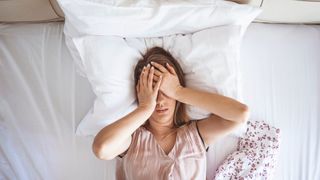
x=43, y=99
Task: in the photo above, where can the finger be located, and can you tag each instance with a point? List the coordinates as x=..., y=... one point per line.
x=150, y=77
x=171, y=69
x=145, y=76
x=157, y=72
x=138, y=90
x=160, y=67
x=155, y=78
x=157, y=86
x=141, y=75
x=154, y=82
x=139, y=86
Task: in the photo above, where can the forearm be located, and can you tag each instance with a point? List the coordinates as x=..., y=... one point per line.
x=117, y=132
x=222, y=106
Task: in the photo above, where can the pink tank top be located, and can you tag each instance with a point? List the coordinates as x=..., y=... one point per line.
x=146, y=160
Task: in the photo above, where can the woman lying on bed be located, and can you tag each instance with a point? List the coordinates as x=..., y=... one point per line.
x=158, y=140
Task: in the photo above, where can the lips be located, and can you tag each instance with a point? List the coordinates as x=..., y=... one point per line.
x=161, y=110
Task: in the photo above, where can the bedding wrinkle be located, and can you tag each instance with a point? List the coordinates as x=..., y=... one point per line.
x=37, y=142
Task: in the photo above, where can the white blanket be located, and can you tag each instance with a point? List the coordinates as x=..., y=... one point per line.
x=43, y=100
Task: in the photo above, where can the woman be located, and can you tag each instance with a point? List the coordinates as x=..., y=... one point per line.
x=157, y=140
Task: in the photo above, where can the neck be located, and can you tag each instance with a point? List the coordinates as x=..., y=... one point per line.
x=160, y=129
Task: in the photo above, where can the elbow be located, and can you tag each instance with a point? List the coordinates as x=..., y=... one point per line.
x=244, y=114
x=100, y=152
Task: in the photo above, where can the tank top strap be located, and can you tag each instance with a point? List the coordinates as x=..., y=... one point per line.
x=194, y=135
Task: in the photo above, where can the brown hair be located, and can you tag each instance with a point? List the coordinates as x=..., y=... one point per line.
x=161, y=56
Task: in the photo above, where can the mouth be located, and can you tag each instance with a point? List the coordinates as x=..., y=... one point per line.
x=161, y=110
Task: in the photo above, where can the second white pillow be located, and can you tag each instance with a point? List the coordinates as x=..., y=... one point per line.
x=209, y=59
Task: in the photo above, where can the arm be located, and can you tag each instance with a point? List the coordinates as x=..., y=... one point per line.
x=227, y=113
x=115, y=138
x=222, y=106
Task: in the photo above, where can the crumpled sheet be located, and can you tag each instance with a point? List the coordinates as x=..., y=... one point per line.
x=256, y=154
x=43, y=100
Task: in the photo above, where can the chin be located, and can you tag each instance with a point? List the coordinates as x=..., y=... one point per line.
x=161, y=117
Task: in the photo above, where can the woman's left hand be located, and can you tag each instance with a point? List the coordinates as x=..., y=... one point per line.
x=170, y=84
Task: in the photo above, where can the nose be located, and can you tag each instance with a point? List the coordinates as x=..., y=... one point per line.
x=160, y=99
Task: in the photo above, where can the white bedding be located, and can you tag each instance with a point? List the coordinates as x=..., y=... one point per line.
x=42, y=100
x=204, y=37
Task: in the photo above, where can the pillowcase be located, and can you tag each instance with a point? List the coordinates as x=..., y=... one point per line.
x=106, y=49
x=152, y=18
x=256, y=155
x=209, y=59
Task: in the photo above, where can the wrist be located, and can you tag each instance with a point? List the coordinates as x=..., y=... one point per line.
x=178, y=92
x=146, y=110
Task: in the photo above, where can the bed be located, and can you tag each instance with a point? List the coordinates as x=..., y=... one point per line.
x=43, y=99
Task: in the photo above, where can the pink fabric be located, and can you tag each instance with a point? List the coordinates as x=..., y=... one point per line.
x=146, y=160
x=255, y=157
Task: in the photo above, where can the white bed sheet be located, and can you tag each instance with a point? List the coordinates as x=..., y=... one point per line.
x=42, y=100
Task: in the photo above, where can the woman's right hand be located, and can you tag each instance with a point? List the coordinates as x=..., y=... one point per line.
x=147, y=93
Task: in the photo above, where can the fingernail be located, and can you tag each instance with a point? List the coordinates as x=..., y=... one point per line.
x=151, y=62
x=148, y=65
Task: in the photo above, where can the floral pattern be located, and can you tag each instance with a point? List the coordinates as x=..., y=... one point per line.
x=255, y=157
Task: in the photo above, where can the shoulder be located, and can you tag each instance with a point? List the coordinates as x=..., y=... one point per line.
x=134, y=139
x=215, y=127
x=191, y=128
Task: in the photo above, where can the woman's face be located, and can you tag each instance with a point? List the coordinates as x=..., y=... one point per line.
x=164, y=110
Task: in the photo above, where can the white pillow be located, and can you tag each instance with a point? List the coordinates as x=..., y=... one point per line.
x=151, y=18
x=209, y=59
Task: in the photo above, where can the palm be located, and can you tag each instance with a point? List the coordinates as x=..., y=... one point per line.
x=147, y=93
x=170, y=82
